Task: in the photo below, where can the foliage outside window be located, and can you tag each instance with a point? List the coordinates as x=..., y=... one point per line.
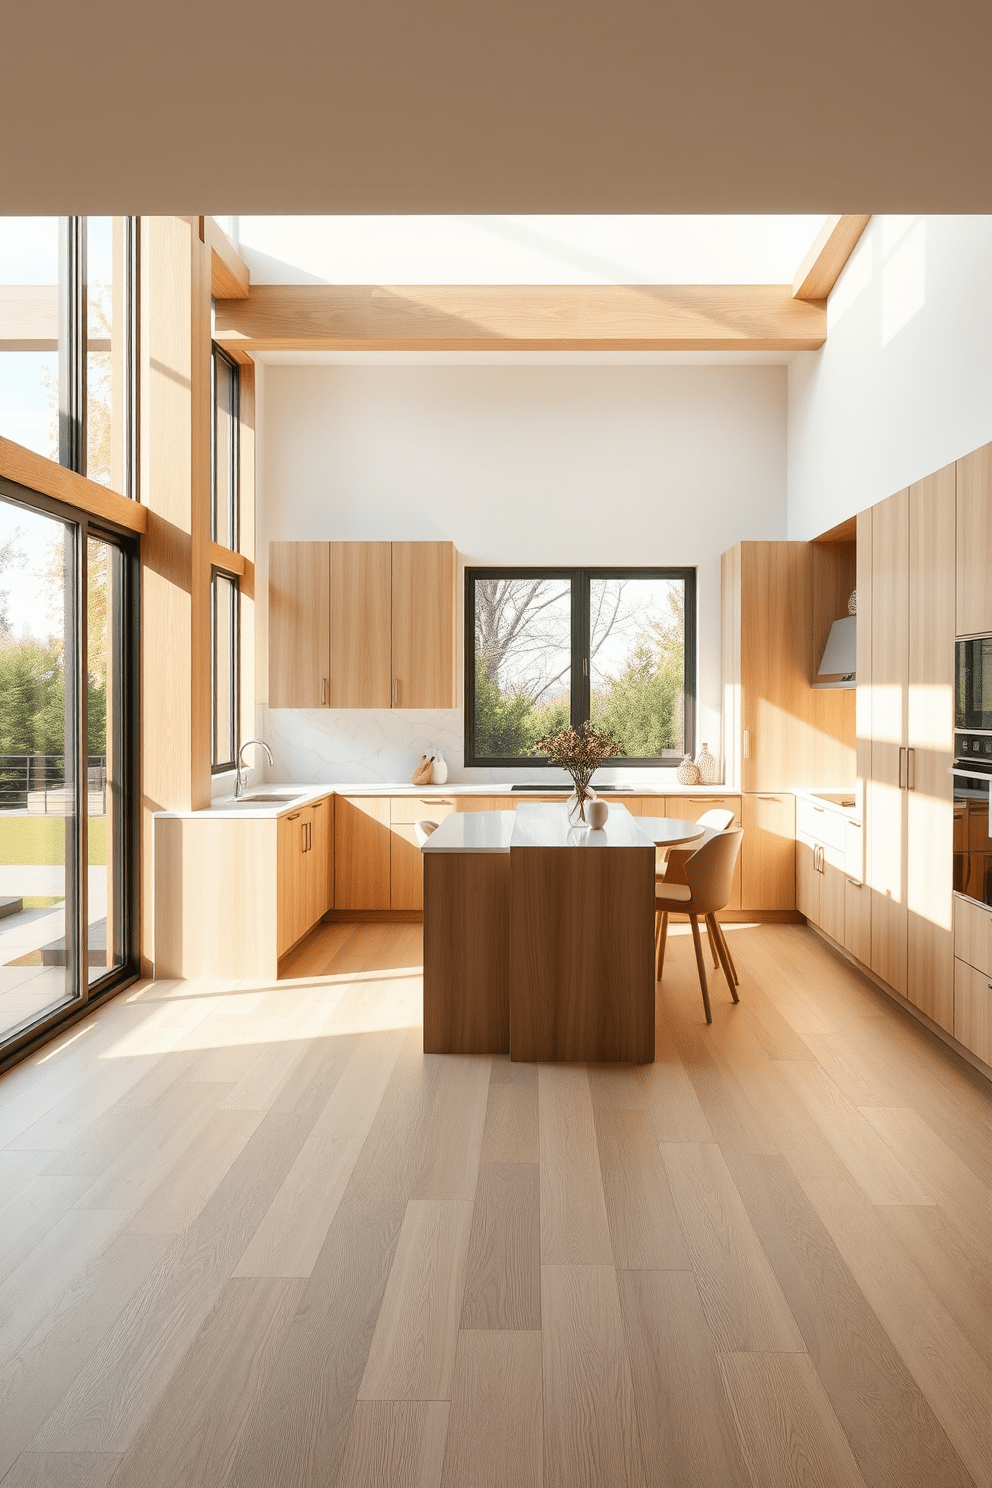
x=224, y=450
x=546, y=648
x=224, y=626
x=68, y=351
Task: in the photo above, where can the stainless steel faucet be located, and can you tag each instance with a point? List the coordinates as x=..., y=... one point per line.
x=239, y=783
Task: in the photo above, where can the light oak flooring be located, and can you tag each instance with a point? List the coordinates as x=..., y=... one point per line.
x=252, y=1235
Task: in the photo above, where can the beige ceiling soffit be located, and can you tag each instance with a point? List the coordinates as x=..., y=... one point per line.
x=326, y=317
x=32, y=470
x=229, y=278
x=821, y=268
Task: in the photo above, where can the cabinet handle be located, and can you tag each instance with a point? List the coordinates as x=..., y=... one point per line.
x=747, y=744
x=819, y=808
x=910, y=769
x=902, y=753
x=855, y=883
x=853, y=822
x=323, y=692
x=394, y=691
x=292, y=816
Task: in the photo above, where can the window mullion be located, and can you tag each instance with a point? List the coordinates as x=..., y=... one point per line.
x=72, y=343
x=581, y=645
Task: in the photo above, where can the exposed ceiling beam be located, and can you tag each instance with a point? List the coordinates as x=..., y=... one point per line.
x=326, y=317
x=821, y=268
x=229, y=277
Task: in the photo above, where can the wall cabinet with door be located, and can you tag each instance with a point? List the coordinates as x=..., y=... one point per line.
x=362, y=625
x=778, y=601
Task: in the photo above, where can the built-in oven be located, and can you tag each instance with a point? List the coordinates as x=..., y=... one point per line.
x=972, y=768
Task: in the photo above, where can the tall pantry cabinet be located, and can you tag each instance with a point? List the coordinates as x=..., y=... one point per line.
x=903, y=766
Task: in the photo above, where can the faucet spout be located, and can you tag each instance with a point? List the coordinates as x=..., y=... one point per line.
x=239, y=783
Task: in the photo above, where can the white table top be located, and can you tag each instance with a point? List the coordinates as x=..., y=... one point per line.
x=548, y=826
x=668, y=831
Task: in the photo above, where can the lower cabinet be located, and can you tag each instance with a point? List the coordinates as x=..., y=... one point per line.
x=304, y=858
x=768, y=851
x=973, y=977
x=361, y=852
x=829, y=875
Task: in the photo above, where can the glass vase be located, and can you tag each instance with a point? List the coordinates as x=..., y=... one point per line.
x=578, y=804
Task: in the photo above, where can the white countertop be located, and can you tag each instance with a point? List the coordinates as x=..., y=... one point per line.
x=227, y=807
x=473, y=832
x=548, y=826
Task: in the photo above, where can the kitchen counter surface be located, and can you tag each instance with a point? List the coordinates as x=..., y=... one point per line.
x=473, y=832
x=843, y=801
x=227, y=807
x=547, y=826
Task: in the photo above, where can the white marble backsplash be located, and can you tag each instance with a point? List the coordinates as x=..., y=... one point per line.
x=382, y=746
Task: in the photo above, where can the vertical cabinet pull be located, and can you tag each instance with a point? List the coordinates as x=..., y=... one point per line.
x=902, y=756
x=395, y=688
x=910, y=769
x=323, y=692
x=747, y=744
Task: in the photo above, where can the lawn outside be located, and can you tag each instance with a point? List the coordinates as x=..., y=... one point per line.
x=41, y=840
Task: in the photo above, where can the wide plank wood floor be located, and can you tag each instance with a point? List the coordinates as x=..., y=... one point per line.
x=250, y=1235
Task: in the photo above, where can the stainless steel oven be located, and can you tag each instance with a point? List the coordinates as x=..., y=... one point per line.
x=972, y=844
x=973, y=685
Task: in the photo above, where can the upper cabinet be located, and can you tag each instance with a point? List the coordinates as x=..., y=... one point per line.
x=779, y=732
x=362, y=625
x=974, y=539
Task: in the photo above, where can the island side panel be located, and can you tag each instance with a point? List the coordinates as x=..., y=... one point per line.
x=582, y=954
x=466, y=953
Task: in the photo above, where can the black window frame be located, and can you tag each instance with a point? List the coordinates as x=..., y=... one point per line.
x=218, y=354
x=580, y=681
x=223, y=767
x=73, y=338
x=127, y=664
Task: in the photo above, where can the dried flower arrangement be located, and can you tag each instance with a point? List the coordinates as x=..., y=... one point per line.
x=580, y=752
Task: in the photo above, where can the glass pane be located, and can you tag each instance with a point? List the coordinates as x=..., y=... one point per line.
x=225, y=669
x=225, y=423
x=105, y=765
x=37, y=811
x=106, y=351
x=29, y=332
x=522, y=664
x=637, y=662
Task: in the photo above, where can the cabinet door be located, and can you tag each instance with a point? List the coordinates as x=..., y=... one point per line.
x=808, y=878
x=768, y=852
x=691, y=808
x=930, y=737
x=973, y=1010
x=423, y=625
x=292, y=907
x=775, y=660
x=360, y=625
x=833, y=893
x=298, y=624
x=886, y=797
x=320, y=866
x=361, y=852
x=406, y=863
x=857, y=918
x=974, y=540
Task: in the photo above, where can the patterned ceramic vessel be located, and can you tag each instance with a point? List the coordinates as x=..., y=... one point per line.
x=705, y=762
x=687, y=772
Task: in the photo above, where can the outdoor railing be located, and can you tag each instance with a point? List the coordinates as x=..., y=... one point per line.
x=36, y=784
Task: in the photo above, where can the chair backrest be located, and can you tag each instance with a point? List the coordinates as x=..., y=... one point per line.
x=710, y=871
x=422, y=830
x=718, y=819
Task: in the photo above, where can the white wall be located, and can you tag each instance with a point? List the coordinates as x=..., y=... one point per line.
x=903, y=384
x=524, y=464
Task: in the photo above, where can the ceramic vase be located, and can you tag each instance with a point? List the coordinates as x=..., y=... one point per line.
x=441, y=768
x=597, y=813
x=687, y=772
x=705, y=763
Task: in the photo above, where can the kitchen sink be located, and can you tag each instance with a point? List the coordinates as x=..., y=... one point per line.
x=270, y=800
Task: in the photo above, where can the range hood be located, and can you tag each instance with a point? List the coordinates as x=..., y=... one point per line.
x=840, y=655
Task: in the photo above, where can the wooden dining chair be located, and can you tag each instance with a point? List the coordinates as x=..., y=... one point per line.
x=710, y=872
x=717, y=820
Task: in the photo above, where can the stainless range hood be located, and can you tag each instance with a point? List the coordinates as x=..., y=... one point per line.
x=840, y=655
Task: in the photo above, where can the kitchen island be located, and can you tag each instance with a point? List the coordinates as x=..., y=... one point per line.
x=538, y=937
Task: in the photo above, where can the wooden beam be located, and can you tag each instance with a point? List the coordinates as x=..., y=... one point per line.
x=39, y=474
x=329, y=317
x=229, y=277
x=227, y=559
x=821, y=268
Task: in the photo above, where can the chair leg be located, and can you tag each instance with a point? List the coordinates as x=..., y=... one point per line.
x=712, y=940
x=697, y=943
x=719, y=942
x=726, y=947
x=662, y=940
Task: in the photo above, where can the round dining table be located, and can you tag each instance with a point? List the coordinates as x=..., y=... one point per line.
x=669, y=831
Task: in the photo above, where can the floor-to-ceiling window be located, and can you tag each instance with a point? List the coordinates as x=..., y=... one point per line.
x=68, y=595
